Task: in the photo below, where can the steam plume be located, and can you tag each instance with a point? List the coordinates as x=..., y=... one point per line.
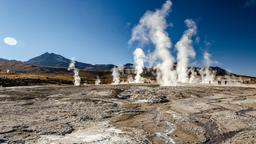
x=206, y=74
x=193, y=76
x=139, y=64
x=151, y=29
x=116, y=76
x=207, y=59
x=185, y=51
x=130, y=79
x=76, y=72
x=97, y=81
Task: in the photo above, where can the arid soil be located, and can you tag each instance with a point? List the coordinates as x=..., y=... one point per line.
x=128, y=114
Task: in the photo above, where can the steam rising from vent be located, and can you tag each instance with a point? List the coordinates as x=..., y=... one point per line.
x=193, y=76
x=77, y=79
x=185, y=51
x=97, y=81
x=139, y=57
x=130, y=79
x=151, y=29
x=207, y=59
x=116, y=76
x=207, y=75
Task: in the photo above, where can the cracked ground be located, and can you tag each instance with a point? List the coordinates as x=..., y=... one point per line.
x=128, y=114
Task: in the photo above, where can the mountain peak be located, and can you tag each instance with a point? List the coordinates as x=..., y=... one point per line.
x=51, y=54
x=54, y=60
x=50, y=60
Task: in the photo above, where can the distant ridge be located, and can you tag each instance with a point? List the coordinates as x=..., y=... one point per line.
x=57, y=64
x=56, y=60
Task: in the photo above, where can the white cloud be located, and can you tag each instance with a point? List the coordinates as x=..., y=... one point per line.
x=10, y=41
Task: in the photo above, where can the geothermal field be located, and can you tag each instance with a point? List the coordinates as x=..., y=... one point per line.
x=159, y=99
x=131, y=114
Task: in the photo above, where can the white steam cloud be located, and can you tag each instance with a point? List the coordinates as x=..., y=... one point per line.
x=130, y=79
x=207, y=59
x=193, y=76
x=97, y=81
x=207, y=75
x=185, y=51
x=76, y=72
x=10, y=41
x=116, y=76
x=139, y=57
x=151, y=29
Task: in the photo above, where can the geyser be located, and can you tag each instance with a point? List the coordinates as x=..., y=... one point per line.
x=77, y=79
x=193, y=76
x=130, y=79
x=185, y=51
x=116, y=76
x=207, y=75
x=97, y=81
x=139, y=57
x=151, y=29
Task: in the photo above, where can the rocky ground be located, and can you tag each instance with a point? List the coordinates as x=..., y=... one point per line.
x=128, y=114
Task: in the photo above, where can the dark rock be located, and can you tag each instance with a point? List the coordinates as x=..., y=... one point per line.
x=124, y=96
x=161, y=99
x=85, y=118
x=2, y=140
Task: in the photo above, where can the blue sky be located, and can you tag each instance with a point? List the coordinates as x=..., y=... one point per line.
x=97, y=31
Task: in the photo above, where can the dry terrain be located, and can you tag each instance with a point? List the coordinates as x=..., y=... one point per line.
x=128, y=114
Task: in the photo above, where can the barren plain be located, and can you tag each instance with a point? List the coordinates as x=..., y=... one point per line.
x=128, y=114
